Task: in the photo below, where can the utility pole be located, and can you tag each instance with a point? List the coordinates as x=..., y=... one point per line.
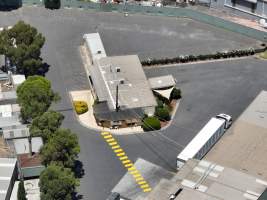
x=117, y=98
x=30, y=146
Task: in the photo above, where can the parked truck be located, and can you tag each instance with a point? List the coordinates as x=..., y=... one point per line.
x=205, y=139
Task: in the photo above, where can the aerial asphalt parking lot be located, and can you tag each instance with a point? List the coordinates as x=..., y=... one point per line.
x=207, y=89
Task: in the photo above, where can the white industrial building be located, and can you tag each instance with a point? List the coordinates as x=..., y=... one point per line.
x=243, y=146
x=16, y=131
x=9, y=115
x=119, y=86
x=8, y=174
x=204, y=180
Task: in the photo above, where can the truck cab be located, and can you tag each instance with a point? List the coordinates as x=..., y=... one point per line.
x=227, y=118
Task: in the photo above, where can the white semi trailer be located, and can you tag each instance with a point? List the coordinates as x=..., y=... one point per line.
x=205, y=139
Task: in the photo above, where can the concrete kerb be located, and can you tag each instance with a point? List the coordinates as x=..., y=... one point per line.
x=173, y=115
x=76, y=115
x=115, y=132
x=121, y=132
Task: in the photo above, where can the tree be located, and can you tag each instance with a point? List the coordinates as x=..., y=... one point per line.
x=21, y=195
x=35, y=97
x=52, y=4
x=57, y=183
x=22, y=45
x=62, y=149
x=46, y=124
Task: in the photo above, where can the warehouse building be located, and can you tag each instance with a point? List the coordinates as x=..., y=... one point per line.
x=9, y=115
x=8, y=174
x=202, y=180
x=243, y=146
x=253, y=9
x=16, y=131
x=119, y=85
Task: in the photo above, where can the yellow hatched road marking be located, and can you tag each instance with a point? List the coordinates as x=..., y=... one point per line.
x=134, y=172
x=107, y=136
x=147, y=190
x=139, y=179
x=118, y=150
x=142, y=182
x=112, y=143
x=124, y=158
x=126, y=162
x=120, y=154
x=137, y=175
x=128, y=165
x=144, y=186
x=105, y=133
x=115, y=147
x=111, y=140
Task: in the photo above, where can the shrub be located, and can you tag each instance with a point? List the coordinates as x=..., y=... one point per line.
x=160, y=103
x=175, y=94
x=163, y=113
x=150, y=124
x=21, y=195
x=80, y=107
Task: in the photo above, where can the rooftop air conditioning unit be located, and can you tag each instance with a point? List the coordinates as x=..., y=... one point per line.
x=118, y=69
x=99, y=52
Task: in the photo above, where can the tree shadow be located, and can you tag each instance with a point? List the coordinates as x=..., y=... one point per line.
x=78, y=169
x=76, y=196
x=43, y=69
x=7, y=6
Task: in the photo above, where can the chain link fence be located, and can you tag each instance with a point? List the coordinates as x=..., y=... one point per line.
x=163, y=11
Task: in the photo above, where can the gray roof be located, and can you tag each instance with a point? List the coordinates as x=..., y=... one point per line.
x=152, y=173
x=9, y=121
x=101, y=112
x=21, y=145
x=19, y=131
x=8, y=97
x=94, y=43
x=128, y=74
x=161, y=82
x=204, y=180
x=9, y=115
x=242, y=147
x=7, y=167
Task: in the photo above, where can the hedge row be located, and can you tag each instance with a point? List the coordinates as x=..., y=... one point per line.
x=193, y=58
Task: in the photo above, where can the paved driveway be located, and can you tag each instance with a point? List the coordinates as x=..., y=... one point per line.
x=207, y=88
